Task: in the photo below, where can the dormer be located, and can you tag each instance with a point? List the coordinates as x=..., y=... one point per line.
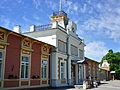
x=61, y=18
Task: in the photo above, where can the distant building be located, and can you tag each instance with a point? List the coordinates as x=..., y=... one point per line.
x=69, y=49
x=104, y=71
x=105, y=65
x=102, y=74
x=92, y=69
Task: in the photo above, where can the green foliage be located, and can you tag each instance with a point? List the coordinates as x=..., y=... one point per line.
x=114, y=60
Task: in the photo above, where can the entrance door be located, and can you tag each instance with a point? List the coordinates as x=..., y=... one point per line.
x=73, y=73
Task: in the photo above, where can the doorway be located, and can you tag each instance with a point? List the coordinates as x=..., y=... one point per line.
x=73, y=73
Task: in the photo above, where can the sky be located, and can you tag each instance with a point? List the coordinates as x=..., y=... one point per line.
x=98, y=21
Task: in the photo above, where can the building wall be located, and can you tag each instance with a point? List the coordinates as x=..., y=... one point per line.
x=52, y=38
x=12, y=62
x=91, y=69
x=44, y=36
x=14, y=46
x=102, y=74
x=35, y=63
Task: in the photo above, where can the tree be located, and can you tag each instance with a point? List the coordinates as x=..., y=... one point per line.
x=114, y=61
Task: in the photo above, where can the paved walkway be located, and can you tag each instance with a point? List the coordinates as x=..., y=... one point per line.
x=106, y=85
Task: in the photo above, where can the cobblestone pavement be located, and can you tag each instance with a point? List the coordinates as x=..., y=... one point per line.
x=105, y=85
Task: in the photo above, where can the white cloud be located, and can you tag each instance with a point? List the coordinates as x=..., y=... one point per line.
x=26, y=19
x=70, y=6
x=36, y=17
x=83, y=10
x=105, y=18
x=96, y=49
x=52, y=5
x=37, y=3
x=107, y=25
x=19, y=1
x=5, y=22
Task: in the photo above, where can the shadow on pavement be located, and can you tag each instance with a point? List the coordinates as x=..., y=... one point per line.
x=48, y=88
x=102, y=83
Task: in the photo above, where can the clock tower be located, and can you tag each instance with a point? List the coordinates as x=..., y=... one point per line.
x=61, y=18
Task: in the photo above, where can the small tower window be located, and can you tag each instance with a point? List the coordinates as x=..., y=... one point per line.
x=73, y=29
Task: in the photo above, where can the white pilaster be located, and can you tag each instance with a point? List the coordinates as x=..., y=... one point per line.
x=54, y=66
x=84, y=71
x=76, y=67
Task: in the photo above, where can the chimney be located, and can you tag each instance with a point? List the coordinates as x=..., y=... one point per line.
x=17, y=29
x=32, y=28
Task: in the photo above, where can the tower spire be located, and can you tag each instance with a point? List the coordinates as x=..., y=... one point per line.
x=60, y=7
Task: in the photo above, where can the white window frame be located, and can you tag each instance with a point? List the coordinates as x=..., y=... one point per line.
x=62, y=46
x=81, y=54
x=64, y=70
x=25, y=64
x=1, y=62
x=80, y=71
x=44, y=73
x=74, y=50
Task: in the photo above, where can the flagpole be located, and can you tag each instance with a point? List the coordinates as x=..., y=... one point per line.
x=60, y=8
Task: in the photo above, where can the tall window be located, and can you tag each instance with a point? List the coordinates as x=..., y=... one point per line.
x=81, y=54
x=44, y=68
x=25, y=66
x=61, y=46
x=89, y=69
x=1, y=61
x=74, y=50
x=63, y=70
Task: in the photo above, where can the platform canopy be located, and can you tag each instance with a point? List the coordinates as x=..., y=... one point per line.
x=79, y=61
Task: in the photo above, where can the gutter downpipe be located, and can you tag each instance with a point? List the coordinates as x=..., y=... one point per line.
x=67, y=59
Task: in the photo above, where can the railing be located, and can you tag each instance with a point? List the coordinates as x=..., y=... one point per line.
x=47, y=27
x=59, y=13
x=43, y=27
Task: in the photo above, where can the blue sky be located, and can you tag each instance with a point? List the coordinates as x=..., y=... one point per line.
x=98, y=21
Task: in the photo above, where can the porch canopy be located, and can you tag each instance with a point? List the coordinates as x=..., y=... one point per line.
x=79, y=61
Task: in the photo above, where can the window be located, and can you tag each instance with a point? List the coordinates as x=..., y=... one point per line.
x=93, y=71
x=81, y=54
x=89, y=69
x=44, y=68
x=62, y=70
x=1, y=61
x=74, y=50
x=25, y=67
x=61, y=46
x=73, y=29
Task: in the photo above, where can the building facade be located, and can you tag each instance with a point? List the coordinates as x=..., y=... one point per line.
x=105, y=65
x=105, y=71
x=92, y=69
x=24, y=62
x=68, y=52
